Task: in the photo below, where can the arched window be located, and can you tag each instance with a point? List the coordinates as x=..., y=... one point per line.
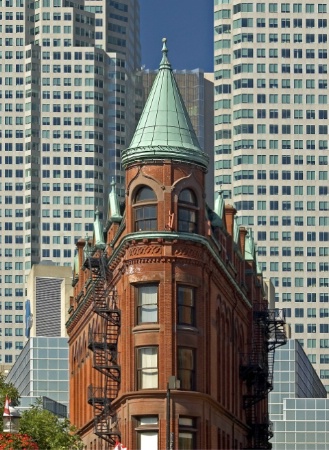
x=145, y=210
x=187, y=211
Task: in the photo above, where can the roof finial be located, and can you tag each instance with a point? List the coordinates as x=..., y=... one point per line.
x=164, y=62
x=164, y=46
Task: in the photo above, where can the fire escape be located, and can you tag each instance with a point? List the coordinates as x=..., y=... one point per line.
x=257, y=371
x=103, y=344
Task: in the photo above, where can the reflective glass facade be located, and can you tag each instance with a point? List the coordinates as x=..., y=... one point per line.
x=42, y=369
x=298, y=405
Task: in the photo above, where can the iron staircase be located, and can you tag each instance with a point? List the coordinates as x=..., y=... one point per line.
x=104, y=345
x=256, y=370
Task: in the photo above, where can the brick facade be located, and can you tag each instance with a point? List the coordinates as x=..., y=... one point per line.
x=214, y=266
x=172, y=291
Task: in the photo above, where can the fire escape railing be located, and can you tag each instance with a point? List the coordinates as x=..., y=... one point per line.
x=256, y=369
x=104, y=346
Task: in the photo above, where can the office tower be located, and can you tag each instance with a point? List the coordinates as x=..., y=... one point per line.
x=48, y=291
x=271, y=149
x=169, y=328
x=197, y=90
x=67, y=71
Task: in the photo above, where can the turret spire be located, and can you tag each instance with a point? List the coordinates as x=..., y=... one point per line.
x=165, y=130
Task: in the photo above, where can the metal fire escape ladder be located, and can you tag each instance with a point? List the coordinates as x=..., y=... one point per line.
x=105, y=352
x=276, y=337
x=256, y=370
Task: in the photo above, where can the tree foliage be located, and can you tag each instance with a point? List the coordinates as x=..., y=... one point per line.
x=10, y=390
x=43, y=427
x=49, y=431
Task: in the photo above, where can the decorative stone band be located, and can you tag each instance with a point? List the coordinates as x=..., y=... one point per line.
x=179, y=240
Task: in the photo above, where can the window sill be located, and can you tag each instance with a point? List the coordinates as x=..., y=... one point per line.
x=187, y=328
x=146, y=328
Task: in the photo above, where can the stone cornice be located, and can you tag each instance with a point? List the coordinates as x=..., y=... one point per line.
x=164, y=236
x=151, y=251
x=80, y=311
x=154, y=153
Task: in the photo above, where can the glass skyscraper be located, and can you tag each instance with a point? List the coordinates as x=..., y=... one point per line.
x=42, y=369
x=67, y=73
x=298, y=404
x=271, y=149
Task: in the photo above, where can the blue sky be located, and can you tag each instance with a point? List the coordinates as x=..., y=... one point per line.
x=188, y=27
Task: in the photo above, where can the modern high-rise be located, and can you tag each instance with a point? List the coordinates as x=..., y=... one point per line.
x=271, y=149
x=48, y=291
x=67, y=73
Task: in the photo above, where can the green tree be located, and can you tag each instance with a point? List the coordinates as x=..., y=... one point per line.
x=10, y=390
x=49, y=431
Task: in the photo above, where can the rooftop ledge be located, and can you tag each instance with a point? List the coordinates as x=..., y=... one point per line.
x=156, y=152
x=191, y=237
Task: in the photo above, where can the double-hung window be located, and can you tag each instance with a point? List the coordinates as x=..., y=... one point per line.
x=186, y=305
x=186, y=368
x=145, y=210
x=147, y=367
x=147, y=303
x=187, y=433
x=147, y=432
x=187, y=211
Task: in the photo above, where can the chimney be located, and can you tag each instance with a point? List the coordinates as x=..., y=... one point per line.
x=229, y=212
x=242, y=239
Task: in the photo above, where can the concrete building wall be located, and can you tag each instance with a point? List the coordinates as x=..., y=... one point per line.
x=208, y=135
x=49, y=289
x=68, y=72
x=271, y=149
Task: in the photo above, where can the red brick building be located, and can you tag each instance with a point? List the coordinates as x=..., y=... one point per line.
x=169, y=294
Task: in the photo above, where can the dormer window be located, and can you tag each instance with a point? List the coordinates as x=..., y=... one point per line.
x=145, y=210
x=187, y=211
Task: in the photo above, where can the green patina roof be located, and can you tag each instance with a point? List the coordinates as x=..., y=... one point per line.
x=98, y=232
x=236, y=230
x=258, y=268
x=165, y=130
x=216, y=216
x=219, y=204
x=86, y=250
x=76, y=267
x=249, y=247
x=114, y=214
